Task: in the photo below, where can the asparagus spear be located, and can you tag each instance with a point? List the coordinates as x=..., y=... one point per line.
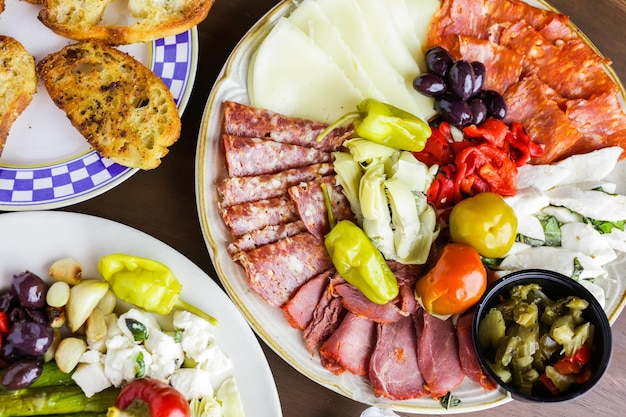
x=54, y=400
x=50, y=376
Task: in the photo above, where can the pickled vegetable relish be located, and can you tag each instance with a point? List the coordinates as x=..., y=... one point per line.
x=531, y=341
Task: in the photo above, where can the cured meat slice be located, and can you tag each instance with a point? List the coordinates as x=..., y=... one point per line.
x=550, y=127
x=309, y=200
x=467, y=354
x=247, y=156
x=247, y=217
x=276, y=270
x=243, y=120
x=502, y=65
x=300, y=307
x=357, y=303
x=393, y=370
x=327, y=317
x=439, y=355
x=350, y=347
x=268, y=234
x=237, y=190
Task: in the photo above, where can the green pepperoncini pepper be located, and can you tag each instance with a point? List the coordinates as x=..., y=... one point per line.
x=360, y=263
x=387, y=125
x=145, y=283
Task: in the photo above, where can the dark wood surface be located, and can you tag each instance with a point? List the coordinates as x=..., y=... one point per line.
x=162, y=203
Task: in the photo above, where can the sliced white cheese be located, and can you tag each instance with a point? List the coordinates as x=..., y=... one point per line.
x=404, y=23
x=595, y=290
x=310, y=19
x=422, y=11
x=527, y=201
x=294, y=76
x=551, y=258
x=581, y=237
x=596, y=205
x=529, y=226
x=617, y=239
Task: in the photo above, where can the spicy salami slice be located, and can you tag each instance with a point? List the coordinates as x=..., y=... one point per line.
x=243, y=120
x=247, y=217
x=350, y=347
x=309, y=200
x=237, y=190
x=268, y=234
x=254, y=156
x=394, y=370
x=276, y=270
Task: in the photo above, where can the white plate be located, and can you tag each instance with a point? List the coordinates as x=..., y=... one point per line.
x=269, y=321
x=33, y=240
x=46, y=162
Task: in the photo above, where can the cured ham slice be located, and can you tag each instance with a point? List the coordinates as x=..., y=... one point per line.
x=327, y=317
x=438, y=358
x=350, y=347
x=268, y=234
x=357, y=303
x=467, y=354
x=243, y=120
x=309, y=200
x=276, y=270
x=254, y=156
x=300, y=307
x=248, y=217
x=237, y=190
x=393, y=370
x=550, y=127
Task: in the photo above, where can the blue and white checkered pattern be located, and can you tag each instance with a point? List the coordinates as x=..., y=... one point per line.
x=86, y=175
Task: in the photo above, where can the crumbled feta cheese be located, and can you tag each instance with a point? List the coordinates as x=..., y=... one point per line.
x=167, y=354
x=192, y=383
x=121, y=362
x=197, y=333
x=91, y=356
x=147, y=319
x=90, y=377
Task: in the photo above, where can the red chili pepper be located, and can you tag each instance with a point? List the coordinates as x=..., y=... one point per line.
x=4, y=323
x=162, y=399
x=549, y=384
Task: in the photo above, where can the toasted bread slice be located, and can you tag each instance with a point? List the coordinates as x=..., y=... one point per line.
x=151, y=19
x=18, y=83
x=123, y=109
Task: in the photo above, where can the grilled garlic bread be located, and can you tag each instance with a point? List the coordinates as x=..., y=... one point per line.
x=123, y=109
x=151, y=19
x=18, y=83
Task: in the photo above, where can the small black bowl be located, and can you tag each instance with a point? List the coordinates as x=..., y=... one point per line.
x=555, y=286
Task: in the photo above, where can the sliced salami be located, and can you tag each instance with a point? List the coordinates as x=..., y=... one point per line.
x=276, y=270
x=247, y=156
x=248, y=217
x=268, y=234
x=394, y=370
x=309, y=200
x=237, y=190
x=299, y=309
x=243, y=120
x=350, y=347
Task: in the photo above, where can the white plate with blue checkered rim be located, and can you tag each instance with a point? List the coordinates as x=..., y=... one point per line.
x=46, y=163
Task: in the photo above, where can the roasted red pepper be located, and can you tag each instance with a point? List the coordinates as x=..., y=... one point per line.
x=161, y=399
x=4, y=323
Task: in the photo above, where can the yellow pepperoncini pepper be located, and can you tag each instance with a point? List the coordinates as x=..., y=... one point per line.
x=360, y=263
x=146, y=283
x=387, y=125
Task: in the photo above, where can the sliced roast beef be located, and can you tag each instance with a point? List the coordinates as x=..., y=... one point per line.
x=467, y=354
x=357, y=303
x=439, y=355
x=276, y=270
x=393, y=370
x=350, y=346
x=300, y=307
x=327, y=317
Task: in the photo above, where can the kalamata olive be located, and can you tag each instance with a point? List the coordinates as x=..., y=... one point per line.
x=37, y=315
x=479, y=110
x=429, y=84
x=495, y=103
x=17, y=314
x=479, y=76
x=30, y=337
x=10, y=353
x=6, y=299
x=454, y=110
x=461, y=79
x=438, y=60
x=30, y=289
x=22, y=373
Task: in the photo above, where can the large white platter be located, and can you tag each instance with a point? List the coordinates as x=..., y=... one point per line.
x=33, y=240
x=46, y=163
x=268, y=321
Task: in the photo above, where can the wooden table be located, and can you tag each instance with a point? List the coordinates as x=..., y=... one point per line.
x=162, y=203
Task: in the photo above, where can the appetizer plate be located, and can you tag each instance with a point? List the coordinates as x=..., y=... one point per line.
x=46, y=162
x=33, y=240
x=268, y=321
